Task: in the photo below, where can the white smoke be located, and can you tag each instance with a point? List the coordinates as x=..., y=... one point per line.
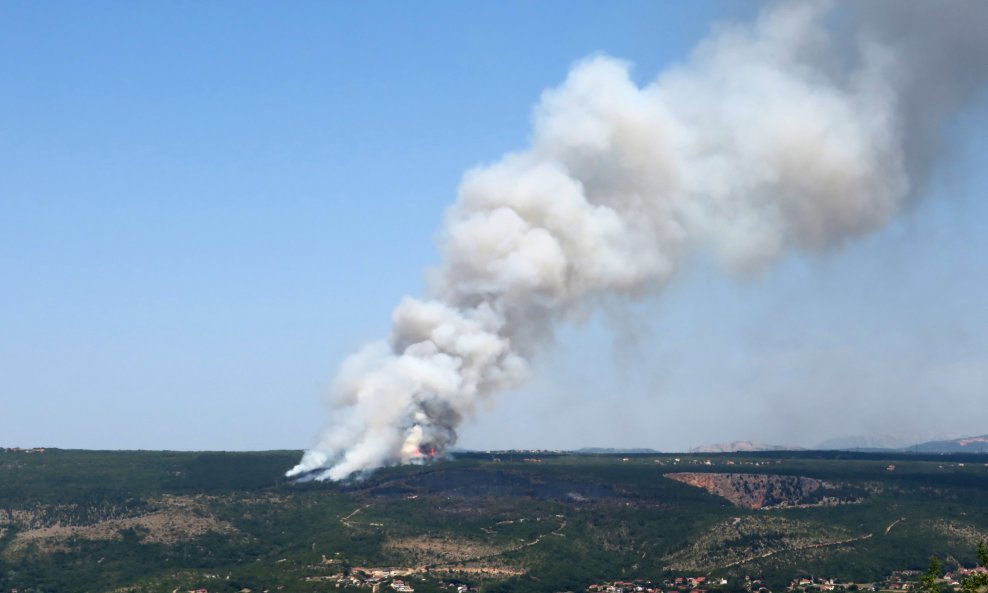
x=773, y=138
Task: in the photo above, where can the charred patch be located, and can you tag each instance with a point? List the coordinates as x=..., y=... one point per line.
x=474, y=483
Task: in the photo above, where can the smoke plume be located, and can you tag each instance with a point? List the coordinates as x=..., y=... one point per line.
x=798, y=132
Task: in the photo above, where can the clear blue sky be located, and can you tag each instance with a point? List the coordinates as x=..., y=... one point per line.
x=205, y=206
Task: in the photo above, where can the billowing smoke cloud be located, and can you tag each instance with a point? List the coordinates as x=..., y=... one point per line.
x=789, y=134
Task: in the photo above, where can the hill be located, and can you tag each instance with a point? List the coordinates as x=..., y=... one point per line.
x=977, y=444
x=161, y=521
x=889, y=444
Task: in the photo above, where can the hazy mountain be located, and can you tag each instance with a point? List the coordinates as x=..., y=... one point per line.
x=865, y=441
x=611, y=451
x=962, y=445
x=740, y=446
x=975, y=444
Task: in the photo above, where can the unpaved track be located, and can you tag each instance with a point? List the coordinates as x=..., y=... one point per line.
x=799, y=549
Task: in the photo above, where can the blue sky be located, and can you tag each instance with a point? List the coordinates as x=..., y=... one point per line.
x=205, y=206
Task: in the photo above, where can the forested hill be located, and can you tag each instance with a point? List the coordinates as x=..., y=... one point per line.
x=161, y=521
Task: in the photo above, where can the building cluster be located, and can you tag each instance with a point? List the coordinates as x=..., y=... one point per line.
x=380, y=580
x=22, y=450
x=359, y=579
x=898, y=581
x=829, y=584
x=698, y=461
x=698, y=584
x=400, y=580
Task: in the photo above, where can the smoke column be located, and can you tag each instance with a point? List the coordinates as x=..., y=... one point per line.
x=800, y=131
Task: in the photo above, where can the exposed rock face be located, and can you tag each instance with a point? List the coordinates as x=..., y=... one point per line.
x=753, y=491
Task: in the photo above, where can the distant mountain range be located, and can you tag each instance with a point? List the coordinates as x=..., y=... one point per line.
x=611, y=451
x=876, y=443
x=976, y=444
x=882, y=442
x=863, y=443
x=741, y=446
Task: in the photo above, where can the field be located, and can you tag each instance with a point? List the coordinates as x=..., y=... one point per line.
x=165, y=521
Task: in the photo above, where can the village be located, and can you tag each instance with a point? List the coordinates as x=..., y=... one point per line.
x=29, y=451
x=381, y=580
x=900, y=580
x=397, y=580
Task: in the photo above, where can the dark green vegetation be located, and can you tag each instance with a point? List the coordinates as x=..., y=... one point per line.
x=157, y=521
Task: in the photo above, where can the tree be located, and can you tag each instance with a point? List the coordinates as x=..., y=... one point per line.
x=977, y=581
x=929, y=580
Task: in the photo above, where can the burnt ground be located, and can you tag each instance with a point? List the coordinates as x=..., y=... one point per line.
x=487, y=483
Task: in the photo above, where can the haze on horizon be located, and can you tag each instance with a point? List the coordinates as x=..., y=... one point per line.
x=201, y=221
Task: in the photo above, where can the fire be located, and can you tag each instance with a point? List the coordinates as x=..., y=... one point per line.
x=414, y=449
x=423, y=452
